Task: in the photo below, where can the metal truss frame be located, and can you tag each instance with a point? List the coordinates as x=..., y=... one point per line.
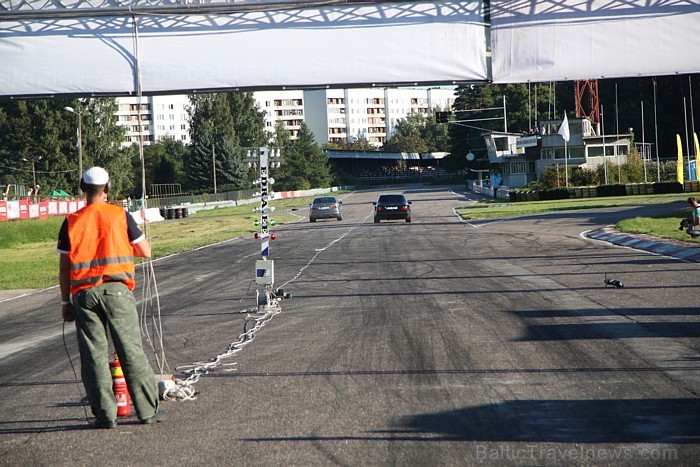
x=504, y=11
x=352, y=15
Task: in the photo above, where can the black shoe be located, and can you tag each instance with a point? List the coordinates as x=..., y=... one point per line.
x=106, y=424
x=160, y=416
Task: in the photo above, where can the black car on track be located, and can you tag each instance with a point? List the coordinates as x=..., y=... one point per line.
x=392, y=206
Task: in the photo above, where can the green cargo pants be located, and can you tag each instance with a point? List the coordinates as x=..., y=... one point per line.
x=112, y=305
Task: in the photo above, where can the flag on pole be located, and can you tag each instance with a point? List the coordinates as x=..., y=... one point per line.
x=679, y=164
x=564, y=129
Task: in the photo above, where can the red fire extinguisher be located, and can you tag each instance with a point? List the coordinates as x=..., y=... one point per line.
x=121, y=392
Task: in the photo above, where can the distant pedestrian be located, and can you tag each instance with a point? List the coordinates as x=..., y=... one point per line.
x=97, y=245
x=694, y=219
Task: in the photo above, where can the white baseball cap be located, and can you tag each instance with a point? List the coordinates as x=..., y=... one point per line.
x=96, y=176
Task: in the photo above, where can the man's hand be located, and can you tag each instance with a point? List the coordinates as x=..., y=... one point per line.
x=67, y=312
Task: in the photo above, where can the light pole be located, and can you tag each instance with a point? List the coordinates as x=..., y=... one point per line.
x=79, y=113
x=213, y=164
x=33, y=161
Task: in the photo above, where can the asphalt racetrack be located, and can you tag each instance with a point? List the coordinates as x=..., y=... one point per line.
x=437, y=342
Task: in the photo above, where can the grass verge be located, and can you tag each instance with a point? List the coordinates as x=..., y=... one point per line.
x=28, y=257
x=661, y=226
x=665, y=226
x=499, y=208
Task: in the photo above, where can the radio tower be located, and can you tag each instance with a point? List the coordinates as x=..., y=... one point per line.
x=587, y=91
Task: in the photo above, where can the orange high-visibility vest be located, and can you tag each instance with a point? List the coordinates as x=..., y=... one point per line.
x=99, y=247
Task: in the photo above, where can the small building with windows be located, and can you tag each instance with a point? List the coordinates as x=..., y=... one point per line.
x=524, y=158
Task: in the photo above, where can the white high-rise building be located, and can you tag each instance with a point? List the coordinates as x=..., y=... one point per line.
x=333, y=115
x=285, y=106
x=134, y=113
x=160, y=117
x=170, y=117
x=340, y=115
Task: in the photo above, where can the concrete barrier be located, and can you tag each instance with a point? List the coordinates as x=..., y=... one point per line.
x=150, y=215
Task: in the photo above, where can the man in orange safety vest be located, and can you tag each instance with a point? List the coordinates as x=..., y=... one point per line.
x=97, y=245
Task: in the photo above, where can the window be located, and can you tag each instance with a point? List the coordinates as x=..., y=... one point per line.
x=501, y=144
x=576, y=152
x=518, y=167
x=595, y=151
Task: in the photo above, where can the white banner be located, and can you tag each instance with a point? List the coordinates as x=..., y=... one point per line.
x=561, y=40
x=333, y=46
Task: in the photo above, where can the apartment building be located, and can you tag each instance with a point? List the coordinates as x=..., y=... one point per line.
x=338, y=115
x=153, y=118
x=333, y=115
x=284, y=106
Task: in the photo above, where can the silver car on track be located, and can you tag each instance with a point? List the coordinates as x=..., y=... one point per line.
x=325, y=207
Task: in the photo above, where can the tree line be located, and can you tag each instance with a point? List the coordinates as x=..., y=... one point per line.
x=40, y=135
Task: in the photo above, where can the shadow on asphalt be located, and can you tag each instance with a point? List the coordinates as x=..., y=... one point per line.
x=551, y=332
x=672, y=421
x=570, y=421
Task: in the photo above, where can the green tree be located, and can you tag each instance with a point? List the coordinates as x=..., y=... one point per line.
x=281, y=138
x=164, y=163
x=102, y=141
x=215, y=145
x=436, y=135
x=417, y=133
x=358, y=144
x=221, y=125
x=44, y=132
x=247, y=119
x=304, y=165
x=411, y=143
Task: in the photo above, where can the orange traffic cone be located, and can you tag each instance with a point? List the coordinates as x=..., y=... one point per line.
x=121, y=392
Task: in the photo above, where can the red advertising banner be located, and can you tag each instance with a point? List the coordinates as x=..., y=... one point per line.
x=23, y=209
x=44, y=210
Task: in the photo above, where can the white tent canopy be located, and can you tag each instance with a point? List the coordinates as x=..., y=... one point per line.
x=567, y=40
x=44, y=52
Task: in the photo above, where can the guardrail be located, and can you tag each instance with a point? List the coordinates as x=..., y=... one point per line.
x=600, y=191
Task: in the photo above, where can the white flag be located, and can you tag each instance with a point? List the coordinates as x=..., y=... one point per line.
x=564, y=129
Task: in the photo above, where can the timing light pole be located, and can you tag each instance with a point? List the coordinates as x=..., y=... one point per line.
x=264, y=268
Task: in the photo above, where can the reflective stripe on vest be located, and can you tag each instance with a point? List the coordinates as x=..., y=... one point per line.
x=100, y=250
